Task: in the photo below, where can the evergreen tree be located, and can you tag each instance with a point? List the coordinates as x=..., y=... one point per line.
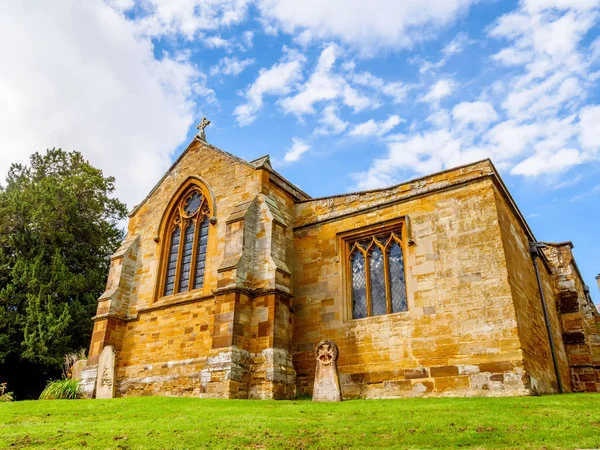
x=58, y=227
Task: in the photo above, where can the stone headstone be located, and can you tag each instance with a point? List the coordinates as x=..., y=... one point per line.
x=105, y=383
x=77, y=368
x=327, y=381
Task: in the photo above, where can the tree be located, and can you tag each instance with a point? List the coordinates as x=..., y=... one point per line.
x=59, y=224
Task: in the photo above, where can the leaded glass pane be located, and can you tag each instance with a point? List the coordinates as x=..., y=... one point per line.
x=378, y=301
x=193, y=203
x=359, y=286
x=172, y=262
x=201, y=254
x=383, y=239
x=186, y=263
x=397, y=282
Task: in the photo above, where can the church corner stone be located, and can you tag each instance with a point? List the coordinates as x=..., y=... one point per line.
x=276, y=278
x=327, y=381
x=105, y=383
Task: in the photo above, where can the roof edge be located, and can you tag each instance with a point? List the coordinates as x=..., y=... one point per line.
x=394, y=186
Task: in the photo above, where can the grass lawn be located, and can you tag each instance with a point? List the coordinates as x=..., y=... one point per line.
x=550, y=422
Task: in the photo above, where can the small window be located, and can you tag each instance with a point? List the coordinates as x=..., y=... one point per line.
x=376, y=272
x=187, y=241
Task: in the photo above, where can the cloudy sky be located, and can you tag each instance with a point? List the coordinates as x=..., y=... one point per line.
x=343, y=94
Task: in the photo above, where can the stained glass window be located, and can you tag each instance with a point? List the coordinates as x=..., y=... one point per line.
x=359, y=286
x=397, y=282
x=186, y=261
x=377, y=275
x=193, y=203
x=185, y=266
x=378, y=298
x=172, y=261
x=201, y=255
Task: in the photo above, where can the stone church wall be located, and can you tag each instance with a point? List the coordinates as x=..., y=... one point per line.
x=529, y=313
x=579, y=317
x=459, y=336
x=276, y=284
x=206, y=342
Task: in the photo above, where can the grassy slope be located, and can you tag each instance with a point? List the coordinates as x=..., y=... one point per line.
x=567, y=421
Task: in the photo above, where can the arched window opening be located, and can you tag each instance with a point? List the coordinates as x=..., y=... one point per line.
x=378, y=296
x=359, y=285
x=187, y=243
x=397, y=282
x=378, y=284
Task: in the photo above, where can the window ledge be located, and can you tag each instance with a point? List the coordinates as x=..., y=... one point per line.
x=381, y=317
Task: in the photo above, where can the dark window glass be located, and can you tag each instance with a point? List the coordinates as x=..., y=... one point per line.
x=193, y=203
x=359, y=286
x=378, y=298
x=172, y=262
x=397, y=282
x=186, y=262
x=201, y=254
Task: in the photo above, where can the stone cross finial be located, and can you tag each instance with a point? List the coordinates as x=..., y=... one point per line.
x=201, y=126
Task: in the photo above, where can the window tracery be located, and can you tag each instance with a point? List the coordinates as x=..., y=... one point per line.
x=378, y=284
x=187, y=235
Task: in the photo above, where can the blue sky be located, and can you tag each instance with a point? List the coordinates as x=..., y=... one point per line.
x=344, y=95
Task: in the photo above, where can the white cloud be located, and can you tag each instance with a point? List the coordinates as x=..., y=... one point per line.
x=299, y=147
x=231, y=66
x=325, y=85
x=532, y=121
x=474, y=113
x=331, y=123
x=187, y=17
x=454, y=47
x=379, y=24
x=548, y=163
x=440, y=90
x=319, y=87
x=395, y=90
x=277, y=80
x=373, y=128
x=248, y=38
x=217, y=42
x=79, y=77
x=589, y=134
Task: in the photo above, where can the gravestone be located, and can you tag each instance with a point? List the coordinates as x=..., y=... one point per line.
x=105, y=383
x=327, y=381
x=77, y=368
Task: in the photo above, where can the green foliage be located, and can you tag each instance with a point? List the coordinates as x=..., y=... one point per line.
x=64, y=389
x=5, y=396
x=549, y=422
x=58, y=228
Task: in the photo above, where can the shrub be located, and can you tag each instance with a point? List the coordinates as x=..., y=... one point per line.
x=64, y=389
x=5, y=396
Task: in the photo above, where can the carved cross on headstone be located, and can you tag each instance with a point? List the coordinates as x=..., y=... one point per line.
x=327, y=382
x=201, y=126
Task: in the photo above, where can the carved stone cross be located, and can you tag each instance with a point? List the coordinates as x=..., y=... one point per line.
x=201, y=126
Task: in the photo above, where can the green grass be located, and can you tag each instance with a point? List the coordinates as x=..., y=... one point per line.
x=550, y=422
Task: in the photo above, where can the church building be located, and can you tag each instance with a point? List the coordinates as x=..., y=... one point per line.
x=230, y=275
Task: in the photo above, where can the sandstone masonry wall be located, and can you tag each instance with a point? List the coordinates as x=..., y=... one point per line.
x=217, y=341
x=526, y=297
x=459, y=335
x=579, y=319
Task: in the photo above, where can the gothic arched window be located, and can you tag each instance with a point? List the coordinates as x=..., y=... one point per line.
x=376, y=267
x=186, y=239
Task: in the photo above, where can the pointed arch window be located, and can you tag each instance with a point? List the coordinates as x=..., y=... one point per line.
x=186, y=237
x=376, y=272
